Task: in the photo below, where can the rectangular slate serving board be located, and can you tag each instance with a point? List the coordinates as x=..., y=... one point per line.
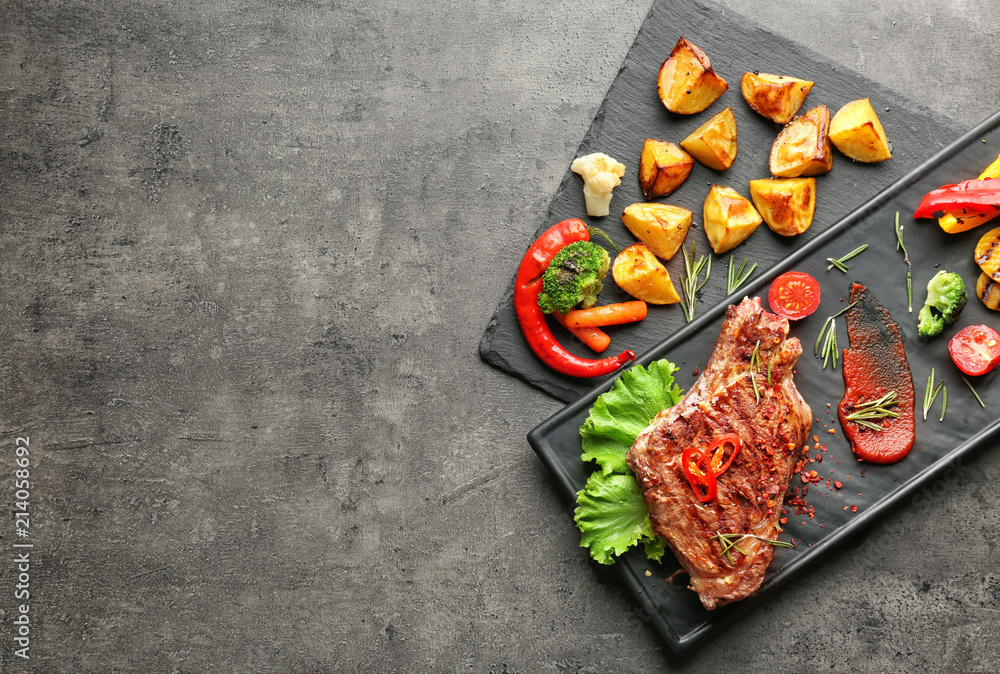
x=674, y=610
x=632, y=112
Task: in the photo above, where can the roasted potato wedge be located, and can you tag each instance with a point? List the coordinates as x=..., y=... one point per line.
x=637, y=271
x=687, y=84
x=787, y=205
x=988, y=253
x=857, y=132
x=988, y=291
x=729, y=218
x=714, y=142
x=777, y=97
x=663, y=167
x=803, y=147
x=661, y=227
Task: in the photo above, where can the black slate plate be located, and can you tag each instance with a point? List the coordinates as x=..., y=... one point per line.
x=675, y=610
x=631, y=112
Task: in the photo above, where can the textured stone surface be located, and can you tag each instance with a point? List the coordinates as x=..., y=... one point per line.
x=249, y=252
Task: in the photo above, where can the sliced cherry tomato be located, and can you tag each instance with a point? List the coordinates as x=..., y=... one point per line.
x=794, y=295
x=717, y=451
x=975, y=349
x=698, y=470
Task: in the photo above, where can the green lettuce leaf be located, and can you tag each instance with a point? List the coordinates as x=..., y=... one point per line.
x=611, y=512
x=621, y=413
x=612, y=515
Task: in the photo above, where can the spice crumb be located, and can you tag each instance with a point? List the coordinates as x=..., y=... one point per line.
x=648, y=573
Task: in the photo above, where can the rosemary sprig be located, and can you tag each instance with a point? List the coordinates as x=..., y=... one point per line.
x=839, y=262
x=906, y=256
x=830, y=349
x=730, y=542
x=944, y=400
x=931, y=393
x=755, y=366
x=690, y=284
x=865, y=414
x=899, y=240
x=737, y=277
x=826, y=324
x=981, y=403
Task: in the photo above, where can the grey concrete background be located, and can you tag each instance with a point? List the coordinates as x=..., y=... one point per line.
x=249, y=250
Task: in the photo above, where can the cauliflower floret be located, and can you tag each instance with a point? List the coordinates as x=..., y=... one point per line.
x=601, y=175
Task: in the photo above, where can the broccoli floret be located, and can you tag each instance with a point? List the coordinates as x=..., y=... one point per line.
x=574, y=277
x=946, y=297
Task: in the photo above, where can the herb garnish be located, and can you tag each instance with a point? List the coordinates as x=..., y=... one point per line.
x=690, y=284
x=981, y=403
x=839, y=262
x=730, y=542
x=737, y=277
x=755, y=365
x=931, y=393
x=906, y=256
x=866, y=413
x=830, y=349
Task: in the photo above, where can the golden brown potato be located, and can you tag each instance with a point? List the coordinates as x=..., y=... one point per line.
x=663, y=167
x=988, y=291
x=777, y=97
x=687, y=84
x=803, y=147
x=787, y=205
x=988, y=253
x=661, y=227
x=729, y=218
x=857, y=132
x=637, y=271
x=714, y=142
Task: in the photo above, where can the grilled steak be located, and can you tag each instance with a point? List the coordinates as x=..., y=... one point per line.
x=772, y=421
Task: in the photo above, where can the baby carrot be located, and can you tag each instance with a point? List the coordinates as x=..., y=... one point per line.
x=595, y=338
x=609, y=314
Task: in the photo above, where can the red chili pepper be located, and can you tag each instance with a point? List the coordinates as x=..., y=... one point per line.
x=717, y=450
x=703, y=467
x=699, y=473
x=976, y=196
x=528, y=285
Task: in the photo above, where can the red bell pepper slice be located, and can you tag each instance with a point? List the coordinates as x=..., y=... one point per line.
x=974, y=196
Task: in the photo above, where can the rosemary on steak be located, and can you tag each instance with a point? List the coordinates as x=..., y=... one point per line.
x=755, y=366
x=689, y=284
x=737, y=277
x=730, y=542
x=867, y=413
x=839, y=262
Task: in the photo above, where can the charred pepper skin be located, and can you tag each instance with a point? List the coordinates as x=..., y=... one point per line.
x=527, y=286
